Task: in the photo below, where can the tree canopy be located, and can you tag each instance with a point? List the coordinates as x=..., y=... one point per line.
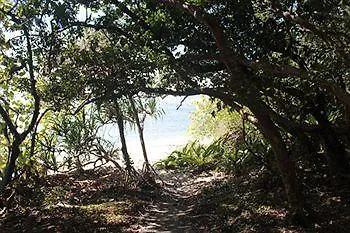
x=282, y=64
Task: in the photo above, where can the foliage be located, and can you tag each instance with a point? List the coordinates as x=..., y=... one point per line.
x=192, y=155
x=231, y=147
x=79, y=144
x=283, y=65
x=228, y=153
x=29, y=46
x=108, y=111
x=47, y=142
x=211, y=119
x=145, y=107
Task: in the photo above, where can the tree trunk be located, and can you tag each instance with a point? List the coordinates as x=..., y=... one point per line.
x=285, y=163
x=239, y=84
x=140, y=131
x=18, y=138
x=335, y=150
x=78, y=164
x=11, y=164
x=124, y=149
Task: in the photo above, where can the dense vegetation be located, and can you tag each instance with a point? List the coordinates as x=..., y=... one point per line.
x=222, y=142
x=69, y=67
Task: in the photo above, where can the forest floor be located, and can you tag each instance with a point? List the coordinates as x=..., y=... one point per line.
x=174, y=209
x=99, y=201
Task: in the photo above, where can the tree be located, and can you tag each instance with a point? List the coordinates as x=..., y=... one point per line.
x=131, y=110
x=212, y=120
x=285, y=61
x=12, y=76
x=185, y=77
x=143, y=108
x=78, y=142
x=112, y=112
x=30, y=42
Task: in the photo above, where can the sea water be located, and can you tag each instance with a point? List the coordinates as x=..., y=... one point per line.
x=162, y=135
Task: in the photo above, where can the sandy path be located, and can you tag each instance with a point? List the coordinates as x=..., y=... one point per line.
x=172, y=210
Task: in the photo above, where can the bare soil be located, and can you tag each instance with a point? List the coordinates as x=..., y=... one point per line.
x=101, y=201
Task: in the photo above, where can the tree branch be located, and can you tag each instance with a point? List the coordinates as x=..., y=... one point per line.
x=109, y=27
x=5, y=116
x=306, y=25
x=86, y=102
x=33, y=89
x=132, y=15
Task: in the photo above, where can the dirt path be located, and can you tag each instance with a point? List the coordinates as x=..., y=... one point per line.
x=172, y=211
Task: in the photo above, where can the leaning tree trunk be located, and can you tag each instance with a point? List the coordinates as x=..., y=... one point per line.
x=240, y=82
x=124, y=149
x=284, y=162
x=140, y=131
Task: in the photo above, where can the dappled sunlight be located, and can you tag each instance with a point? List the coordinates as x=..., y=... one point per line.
x=174, y=116
x=78, y=202
x=173, y=210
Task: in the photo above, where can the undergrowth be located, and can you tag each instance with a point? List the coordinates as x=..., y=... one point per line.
x=228, y=153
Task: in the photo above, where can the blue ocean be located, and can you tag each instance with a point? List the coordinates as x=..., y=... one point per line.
x=162, y=135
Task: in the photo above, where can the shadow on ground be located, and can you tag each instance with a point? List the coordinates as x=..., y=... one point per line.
x=91, y=201
x=255, y=202
x=184, y=203
x=173, y=210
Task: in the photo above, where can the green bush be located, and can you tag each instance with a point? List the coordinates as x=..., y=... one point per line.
x=215, y=156
x=231, y=152
x=231, y=148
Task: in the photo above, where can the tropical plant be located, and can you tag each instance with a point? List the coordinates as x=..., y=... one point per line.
x=111, y=112
x=78, y=142
x=279, y=63
x=230, y=152
x=133, y=111
x=283, y=65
